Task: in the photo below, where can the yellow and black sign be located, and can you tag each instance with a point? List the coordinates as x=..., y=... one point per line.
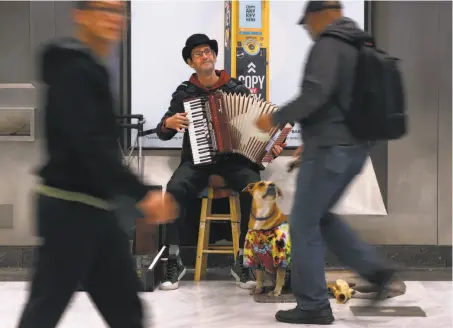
x=247, y=44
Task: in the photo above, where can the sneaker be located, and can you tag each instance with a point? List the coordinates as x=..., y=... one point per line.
x=175, y=270
x=323, y=316
x=243, y=275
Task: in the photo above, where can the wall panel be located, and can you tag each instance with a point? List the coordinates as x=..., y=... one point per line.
x=412, y=161
x=445, y=122
x=15, y=41
x=63, y=18
x=23, y=26
x=41, y=27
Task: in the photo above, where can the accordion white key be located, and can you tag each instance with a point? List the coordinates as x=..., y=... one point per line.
x=223, y=123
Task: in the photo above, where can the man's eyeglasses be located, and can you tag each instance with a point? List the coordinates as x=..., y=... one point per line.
x=198, y=54
x=107, y=10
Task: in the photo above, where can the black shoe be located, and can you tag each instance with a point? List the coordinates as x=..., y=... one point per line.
x=322, y=316
x=175, y=270
x=243, y=275
x=382, y=280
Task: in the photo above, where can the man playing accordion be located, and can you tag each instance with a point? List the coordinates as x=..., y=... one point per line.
x=189, y=180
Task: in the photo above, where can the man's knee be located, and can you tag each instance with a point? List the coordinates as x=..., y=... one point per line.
x=179, y=187
x=174, y=185
x=253, y=176
x=250, y=177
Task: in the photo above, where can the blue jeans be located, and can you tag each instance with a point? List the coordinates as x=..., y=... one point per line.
x=324, y=174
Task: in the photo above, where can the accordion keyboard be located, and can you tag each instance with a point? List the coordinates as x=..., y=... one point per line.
x=199, y=131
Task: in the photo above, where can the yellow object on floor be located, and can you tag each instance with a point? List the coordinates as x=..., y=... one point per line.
x=341, y=291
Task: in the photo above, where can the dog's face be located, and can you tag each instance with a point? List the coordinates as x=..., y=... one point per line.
x=264, y=191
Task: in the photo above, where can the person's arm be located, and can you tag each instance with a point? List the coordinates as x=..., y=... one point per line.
x=77, y=117
x=318, y=84
x=176, y=106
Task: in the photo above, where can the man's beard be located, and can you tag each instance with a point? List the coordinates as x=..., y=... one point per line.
x=207, y=70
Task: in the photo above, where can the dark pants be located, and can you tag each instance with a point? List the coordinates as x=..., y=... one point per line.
x=324, y=175
x=188, y=181
x=82, y=245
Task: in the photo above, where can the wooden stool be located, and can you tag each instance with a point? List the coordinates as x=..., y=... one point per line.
x=203, y=247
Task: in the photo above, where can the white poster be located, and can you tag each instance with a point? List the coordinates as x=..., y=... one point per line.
x=159, y=32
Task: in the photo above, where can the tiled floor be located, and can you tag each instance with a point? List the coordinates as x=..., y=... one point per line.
x=221, y=304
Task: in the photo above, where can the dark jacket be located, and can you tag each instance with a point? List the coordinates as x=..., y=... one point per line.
x=193, y=88
x=81, y=132
x=327, y=81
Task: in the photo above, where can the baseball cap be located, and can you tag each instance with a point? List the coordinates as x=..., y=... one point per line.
x=315, y=6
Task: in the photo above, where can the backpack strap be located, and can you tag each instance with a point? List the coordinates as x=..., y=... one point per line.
x=357, y=39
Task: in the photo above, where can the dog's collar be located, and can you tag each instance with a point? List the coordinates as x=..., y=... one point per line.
x=264, y=218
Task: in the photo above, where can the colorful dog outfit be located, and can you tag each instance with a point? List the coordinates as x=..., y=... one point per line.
x=268, y=249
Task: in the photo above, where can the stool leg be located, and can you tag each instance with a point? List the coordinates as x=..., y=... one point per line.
x=201, y=239
x=235, y=226
x=238, y=215
x=204, y=260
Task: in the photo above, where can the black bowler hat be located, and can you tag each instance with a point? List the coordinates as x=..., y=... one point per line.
x=196, y=40
x=315, y=6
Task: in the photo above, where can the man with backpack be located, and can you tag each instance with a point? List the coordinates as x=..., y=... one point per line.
x=343, y=108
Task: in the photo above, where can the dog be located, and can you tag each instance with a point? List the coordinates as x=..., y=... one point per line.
x=267, y=243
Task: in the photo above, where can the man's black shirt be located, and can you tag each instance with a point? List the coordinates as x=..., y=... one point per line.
x=80, y=128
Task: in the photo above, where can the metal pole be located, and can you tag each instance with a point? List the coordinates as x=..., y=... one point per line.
x=140, y=163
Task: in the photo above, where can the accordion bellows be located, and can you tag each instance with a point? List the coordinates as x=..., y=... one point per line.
x=223, y=123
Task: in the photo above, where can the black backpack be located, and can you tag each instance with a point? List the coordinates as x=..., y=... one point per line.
x=377, y=110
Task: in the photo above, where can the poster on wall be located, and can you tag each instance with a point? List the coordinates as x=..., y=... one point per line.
x=227, y=36
x=251, y=60
x=158, y=34
x=251, y=70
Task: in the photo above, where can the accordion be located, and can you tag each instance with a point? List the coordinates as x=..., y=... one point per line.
x=224, y=123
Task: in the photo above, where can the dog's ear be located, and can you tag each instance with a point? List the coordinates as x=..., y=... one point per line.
x=249, y=187
x=279, y=192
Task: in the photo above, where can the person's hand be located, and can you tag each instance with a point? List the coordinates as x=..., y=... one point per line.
x=277, y=150
x=159, y=207
x=178, y=122
x=298, y=152
x=264, y=123
x=297, y=158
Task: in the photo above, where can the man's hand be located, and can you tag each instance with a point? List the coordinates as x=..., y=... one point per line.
x=159, y=207
x=298, y=152
x=264, y=123
x=277, y=150
x=177, y=122
x=297, y=158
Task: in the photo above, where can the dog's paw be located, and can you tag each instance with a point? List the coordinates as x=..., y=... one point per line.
x=274, y=293
x=256, y=291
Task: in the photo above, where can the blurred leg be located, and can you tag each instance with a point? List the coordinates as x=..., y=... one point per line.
x=112, y=282
x=63, y=259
